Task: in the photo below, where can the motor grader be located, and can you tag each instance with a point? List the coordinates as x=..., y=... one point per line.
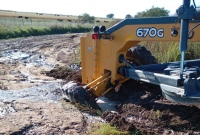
x=111, y=57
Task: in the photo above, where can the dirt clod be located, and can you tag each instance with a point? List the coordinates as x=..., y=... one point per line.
x=146, y=110
x=66, y=74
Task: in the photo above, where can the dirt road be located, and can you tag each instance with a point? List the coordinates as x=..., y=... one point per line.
x=31, y=98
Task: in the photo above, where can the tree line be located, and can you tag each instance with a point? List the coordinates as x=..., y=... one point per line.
x=152, y=12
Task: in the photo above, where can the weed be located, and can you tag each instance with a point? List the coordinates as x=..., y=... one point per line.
x=169, y=51
x=106, y=129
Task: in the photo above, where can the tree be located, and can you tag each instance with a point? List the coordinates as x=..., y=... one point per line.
x=152, y=12
x=111, y=15
x=128, y=16
x=86, y=18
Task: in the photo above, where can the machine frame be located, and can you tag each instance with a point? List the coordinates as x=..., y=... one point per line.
x=104, y=63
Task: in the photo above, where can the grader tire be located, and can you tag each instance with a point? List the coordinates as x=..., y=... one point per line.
x=139, y=55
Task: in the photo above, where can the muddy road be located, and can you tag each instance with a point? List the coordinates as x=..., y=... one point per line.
x=31, y=99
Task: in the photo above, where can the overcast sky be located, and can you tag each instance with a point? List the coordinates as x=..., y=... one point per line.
x=97, y=8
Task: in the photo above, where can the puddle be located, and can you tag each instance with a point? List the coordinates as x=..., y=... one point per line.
x=48, y=91
x=32, y=58
x=28, y=60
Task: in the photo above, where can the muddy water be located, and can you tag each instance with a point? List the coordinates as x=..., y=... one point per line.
x=49, y=92
x=14, y=56
x=24, y=61
x=18, y=60
x=46, y=92
x=28, y=59
x=30, y=101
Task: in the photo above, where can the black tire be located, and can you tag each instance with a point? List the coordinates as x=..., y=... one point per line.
x=139, y=55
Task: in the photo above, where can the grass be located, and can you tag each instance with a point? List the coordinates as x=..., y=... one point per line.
x=60, y=17
x=21, y=27
x=106, y=129
x=169, y=51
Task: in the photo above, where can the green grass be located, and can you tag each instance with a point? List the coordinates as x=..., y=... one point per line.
x=169, y=51
x=21, y=27
x=26, y=32
x=107, y=129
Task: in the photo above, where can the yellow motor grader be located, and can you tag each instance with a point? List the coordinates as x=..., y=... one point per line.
x=113, y=56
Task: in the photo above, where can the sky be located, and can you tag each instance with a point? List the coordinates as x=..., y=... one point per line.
x=120, y=8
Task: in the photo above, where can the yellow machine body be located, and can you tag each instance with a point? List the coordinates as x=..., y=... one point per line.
x=99, y=57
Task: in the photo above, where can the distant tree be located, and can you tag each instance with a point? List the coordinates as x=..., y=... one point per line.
x=152, y=12
x=111, y=15
x=140, y=14
x=86, y=18
x=128, y=16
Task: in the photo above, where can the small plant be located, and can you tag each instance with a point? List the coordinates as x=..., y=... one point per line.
x=106, y=129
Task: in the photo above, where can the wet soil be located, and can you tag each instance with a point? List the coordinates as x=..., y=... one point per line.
x=31, y=96
x=25, y=61
x=66, y=73
x=144, y=109
x=33, y=71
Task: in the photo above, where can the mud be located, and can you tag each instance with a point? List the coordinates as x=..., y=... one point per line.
x=33, y=71
x=66, y=74
x=41, y=118
x=144, y=109
x=31, y=102
x=25, y=61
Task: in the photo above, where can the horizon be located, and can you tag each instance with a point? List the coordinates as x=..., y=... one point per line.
x=49, y=14
x=63, y=7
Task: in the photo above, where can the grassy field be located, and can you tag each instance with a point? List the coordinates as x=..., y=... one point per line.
x=21, y=27
x=22, y=24
x=12, y=27
x=70, y=18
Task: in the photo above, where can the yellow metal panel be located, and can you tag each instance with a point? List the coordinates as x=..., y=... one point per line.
x=100, y=56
